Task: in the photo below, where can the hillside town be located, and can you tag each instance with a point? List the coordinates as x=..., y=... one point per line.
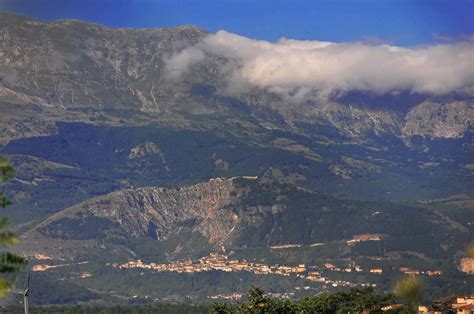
x=221, y=262
x=451, y=304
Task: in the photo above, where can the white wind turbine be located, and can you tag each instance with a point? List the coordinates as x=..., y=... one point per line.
x=25, y=292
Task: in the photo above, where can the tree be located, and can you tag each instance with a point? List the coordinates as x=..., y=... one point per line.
x=350, y=301
x=9, y=262
x=409, y=289
x=257, y=301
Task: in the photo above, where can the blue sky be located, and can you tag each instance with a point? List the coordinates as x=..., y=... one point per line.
x=402, y=22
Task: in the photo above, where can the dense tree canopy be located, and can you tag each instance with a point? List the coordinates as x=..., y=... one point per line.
x=9, y=263
x=351, y=301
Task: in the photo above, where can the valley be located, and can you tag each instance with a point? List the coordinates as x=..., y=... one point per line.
x=134, y=187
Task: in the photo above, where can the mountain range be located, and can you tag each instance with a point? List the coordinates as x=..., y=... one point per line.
x=118, y=161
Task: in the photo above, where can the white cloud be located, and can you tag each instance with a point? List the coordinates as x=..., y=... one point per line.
x=179, y=63
x=301, y=68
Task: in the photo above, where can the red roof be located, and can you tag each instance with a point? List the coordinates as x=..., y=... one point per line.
x=466, y=307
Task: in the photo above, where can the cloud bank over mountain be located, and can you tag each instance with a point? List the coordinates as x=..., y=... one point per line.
x=301, y=69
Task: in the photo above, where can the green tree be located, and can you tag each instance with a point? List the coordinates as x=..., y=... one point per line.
x=257, y=301
x=341, y=302
x=9, y=263
x=410, y=289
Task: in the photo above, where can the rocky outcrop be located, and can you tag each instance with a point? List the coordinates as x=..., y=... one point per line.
x=209, y=208
x=466, y=265
x=69, y=63
x=431, y=119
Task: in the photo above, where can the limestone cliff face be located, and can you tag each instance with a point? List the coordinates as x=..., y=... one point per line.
x=209, y=208
x=450, y=120
x=431, y=118
x=353, y=121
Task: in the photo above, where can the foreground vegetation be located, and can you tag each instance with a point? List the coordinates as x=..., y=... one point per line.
x=351, y=301
x=9, y=262
x=118, y=309
x=256, y=301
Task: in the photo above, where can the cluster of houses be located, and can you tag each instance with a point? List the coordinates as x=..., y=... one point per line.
x=215, y=261
x=366, y=237
x=415, y=272
x=456, y=304
x=227, y=296
x=379, y=271
x=451, y=304
x=221, y=262
x=349, y=269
